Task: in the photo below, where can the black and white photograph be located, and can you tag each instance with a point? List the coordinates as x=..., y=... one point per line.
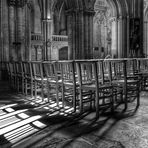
x=73, y=73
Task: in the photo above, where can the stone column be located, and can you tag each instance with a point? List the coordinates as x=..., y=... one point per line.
x=71, y=23
x=145, y=37
x=114, y=41
x=70, y=28
x=146, y=32
x=47, y=34
x=88, y=34
x=19, y=23
x=12, y=52
x=5, y=31
x=86, y=39
x=77, y=51
x=124, y=37
x=80, y=34
x=120, y=37
x=73, y=36
x=47, y=23
x=16, y=29
x=128, y=37
x=1, y=34
x=27, y=34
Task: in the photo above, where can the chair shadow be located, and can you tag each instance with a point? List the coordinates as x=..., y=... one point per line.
x=83, y=124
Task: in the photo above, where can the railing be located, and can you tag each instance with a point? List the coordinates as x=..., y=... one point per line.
x=60, y=38
x=36, y=37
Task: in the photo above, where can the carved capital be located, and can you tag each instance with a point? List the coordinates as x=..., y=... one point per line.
x=11, y=3
x=17, y=3
x=120, y=18
x=100, y=16
x=21, y=3
x=113, y=19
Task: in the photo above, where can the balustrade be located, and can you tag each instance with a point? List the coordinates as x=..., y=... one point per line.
x=59, y=38
x=36, y=37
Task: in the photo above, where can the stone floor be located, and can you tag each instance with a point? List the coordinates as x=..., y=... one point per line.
x=122, y=130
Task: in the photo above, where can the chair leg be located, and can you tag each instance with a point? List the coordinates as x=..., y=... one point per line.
x=35, y=90
x=22, y=86
x=97, y=105
x=42, y=91
x=26, y=83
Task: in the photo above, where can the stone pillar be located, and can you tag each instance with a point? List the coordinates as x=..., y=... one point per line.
x=47, y=23
x=27, y=34
x=120, y=37
x=70, y=35
x=20, y=28
x=71, y=23
x=11, y=10
x=128, y=37
x=5, y=31
x=114, y=41
x=19, y=23
x=73, y=36
x=1, y=33
x=44, y=27
x=145, y=43
x=88, y=34
x=124, y=37
x=146, y=32
x=47, y=34
x=80, y=34
x=77, y=35
x=85, y=35
x=16, y=29
x=145, y=38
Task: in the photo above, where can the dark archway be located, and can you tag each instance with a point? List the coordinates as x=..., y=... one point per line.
x=63, y=53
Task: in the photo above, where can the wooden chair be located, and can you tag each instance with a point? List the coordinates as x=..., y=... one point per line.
x=38, y=79
x=121, y=78
x=105, y=79
x=50, y=72
x=8, y=73
x=90, y=88
x=67, y=82
x=12, y=70
x=19, y=77
x=28, y=78
x=142, y=71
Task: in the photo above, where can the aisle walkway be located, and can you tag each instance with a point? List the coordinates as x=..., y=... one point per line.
x=23, y=124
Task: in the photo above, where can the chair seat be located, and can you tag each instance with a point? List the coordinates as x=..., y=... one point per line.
x=40, y=79
x=123, y=81
x=51, y=81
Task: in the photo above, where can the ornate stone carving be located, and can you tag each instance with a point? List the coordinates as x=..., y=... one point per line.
x=17, y=3
x=100, y=17
x=11, y=2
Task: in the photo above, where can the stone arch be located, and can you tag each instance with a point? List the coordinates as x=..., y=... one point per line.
x=58, y=8
x=123, y=28
x=118, y=22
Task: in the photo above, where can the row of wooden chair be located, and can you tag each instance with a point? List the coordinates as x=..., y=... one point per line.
x=80, y=85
